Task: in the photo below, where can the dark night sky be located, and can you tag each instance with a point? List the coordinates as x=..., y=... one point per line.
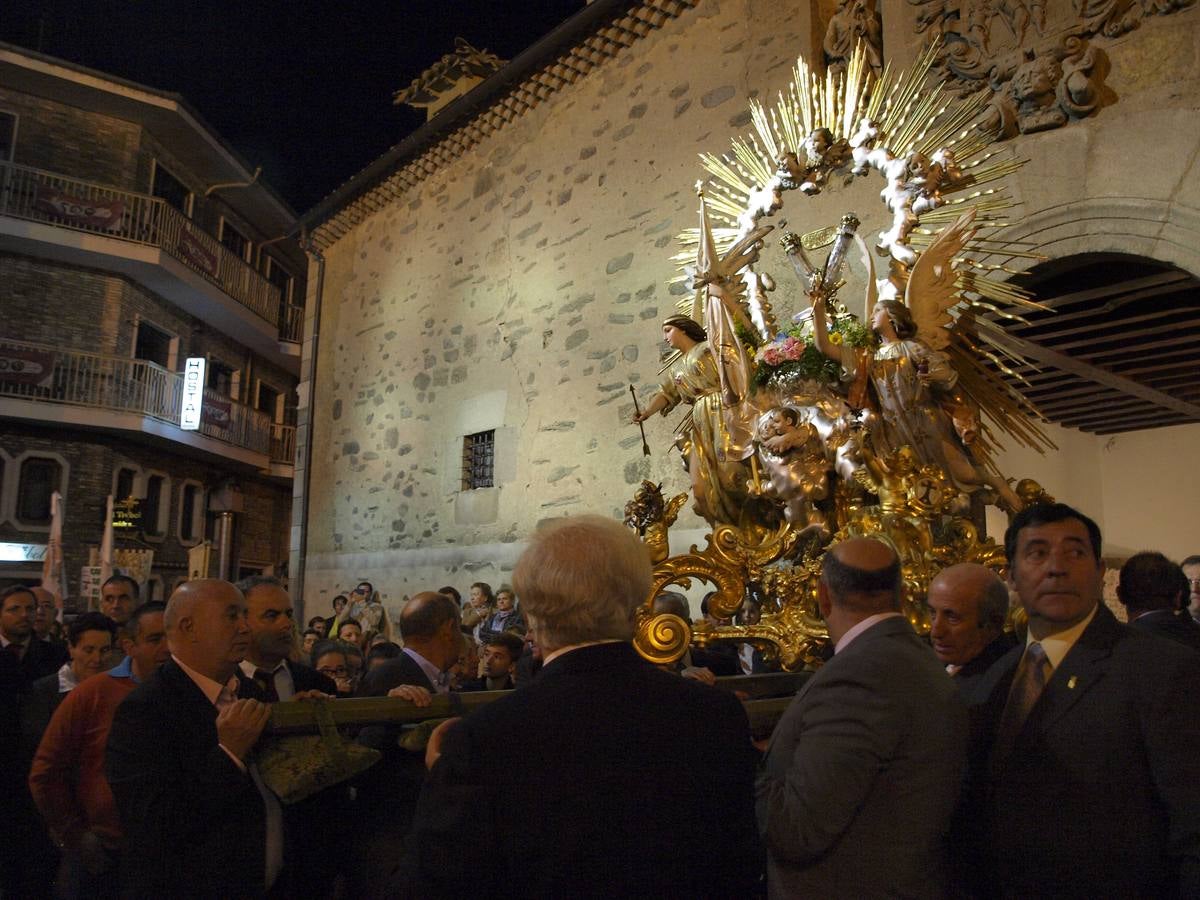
x=302, y=88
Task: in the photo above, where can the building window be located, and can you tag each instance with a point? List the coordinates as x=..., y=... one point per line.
x=191, y=512
x=479, y=460
x=155, y=505
x=123, y=484
x=222, y=378
x=281, y=278
x=234, y=240
x=153, y=344
x=171, y=189
x=8, y=135
x=268, y=401
x=40, y=477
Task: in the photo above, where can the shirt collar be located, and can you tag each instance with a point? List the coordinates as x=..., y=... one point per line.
x=1059, y=644
x=67, y=681
x=249, y=668
x=211, y=689
x=124, y=670
x=432, y=672
x=862, y=626
x=24, y=645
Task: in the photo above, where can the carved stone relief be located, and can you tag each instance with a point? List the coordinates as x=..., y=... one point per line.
x=1039, y=58
x=853, y=21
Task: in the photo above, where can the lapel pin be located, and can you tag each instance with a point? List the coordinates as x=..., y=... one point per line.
x=1072, y=681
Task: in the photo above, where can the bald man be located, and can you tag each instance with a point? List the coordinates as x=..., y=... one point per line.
x=196, y=820
x=429, y=625
x=968, y=605
x=863, y=771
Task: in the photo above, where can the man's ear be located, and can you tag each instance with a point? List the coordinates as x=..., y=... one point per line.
x=824, y=601
x=125, y=643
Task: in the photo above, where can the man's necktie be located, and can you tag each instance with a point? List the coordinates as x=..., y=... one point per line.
x=266, y=683
x=1032, y=674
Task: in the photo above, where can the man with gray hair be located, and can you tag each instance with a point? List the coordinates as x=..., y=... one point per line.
x=863, y=771
x=968, y=606
x=627, y=781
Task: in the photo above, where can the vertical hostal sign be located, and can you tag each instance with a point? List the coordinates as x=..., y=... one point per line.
x=193, y=393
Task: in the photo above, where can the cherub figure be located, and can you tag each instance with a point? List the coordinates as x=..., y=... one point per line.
x=915, y=184
x=792, y=453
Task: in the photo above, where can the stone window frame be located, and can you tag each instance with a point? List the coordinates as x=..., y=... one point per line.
x=198, y=511
x=153, y=581
x=12, y=144
x=12, y=487
x=164, y=505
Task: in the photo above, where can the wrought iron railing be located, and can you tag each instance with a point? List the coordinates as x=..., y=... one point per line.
x=49, y=374
x=283, y=444
x=291, y=323
x=41, y=196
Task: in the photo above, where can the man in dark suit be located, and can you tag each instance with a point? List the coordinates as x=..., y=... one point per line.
x=1090, y=790
x=429, y=626
x=197, y=821
x=271, y=618
x=1155, y=593
x=864, y=769
x=387, y=792
x=625, y=780
x=25, y=853
x=968, y=605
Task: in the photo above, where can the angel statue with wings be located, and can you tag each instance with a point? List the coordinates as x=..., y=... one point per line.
x=710, y=370
x=915, y=386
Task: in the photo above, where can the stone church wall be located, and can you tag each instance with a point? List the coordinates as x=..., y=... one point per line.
x=520, y=290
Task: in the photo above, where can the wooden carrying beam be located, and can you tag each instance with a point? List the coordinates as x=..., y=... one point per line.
x=770, y=695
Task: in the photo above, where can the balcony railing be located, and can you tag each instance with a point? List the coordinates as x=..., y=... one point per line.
x=283, y=444
x=51, y=374
x=291, y=323
x=40, y=196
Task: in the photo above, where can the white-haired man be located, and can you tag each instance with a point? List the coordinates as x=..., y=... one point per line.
x=626, y=780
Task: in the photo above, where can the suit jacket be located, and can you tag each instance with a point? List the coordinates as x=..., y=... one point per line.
x=968, y=678
x=193, y=820
x=863, y=773
x=605, y=777
x=306, y=678
x=1175, y=626
x=393, y=673
x=1098, y=797
x=37, y=707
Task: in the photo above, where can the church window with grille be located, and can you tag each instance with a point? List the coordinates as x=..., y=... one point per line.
x=479, y=460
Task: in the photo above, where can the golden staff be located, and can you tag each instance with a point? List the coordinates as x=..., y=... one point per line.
x=637, y=409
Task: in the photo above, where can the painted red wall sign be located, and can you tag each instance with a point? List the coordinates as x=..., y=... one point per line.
x=20, y=365
x=195, y=253
x=218, y=413
x=104, y=214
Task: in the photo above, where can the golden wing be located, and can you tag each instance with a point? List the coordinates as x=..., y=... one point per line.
x=933, y=288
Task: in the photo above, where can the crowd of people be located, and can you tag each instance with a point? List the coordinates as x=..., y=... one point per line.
x=1054, y=760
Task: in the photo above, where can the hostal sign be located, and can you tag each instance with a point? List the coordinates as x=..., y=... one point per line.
x=193, y=393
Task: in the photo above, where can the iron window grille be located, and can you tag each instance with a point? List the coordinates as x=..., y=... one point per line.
x=479, y=460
